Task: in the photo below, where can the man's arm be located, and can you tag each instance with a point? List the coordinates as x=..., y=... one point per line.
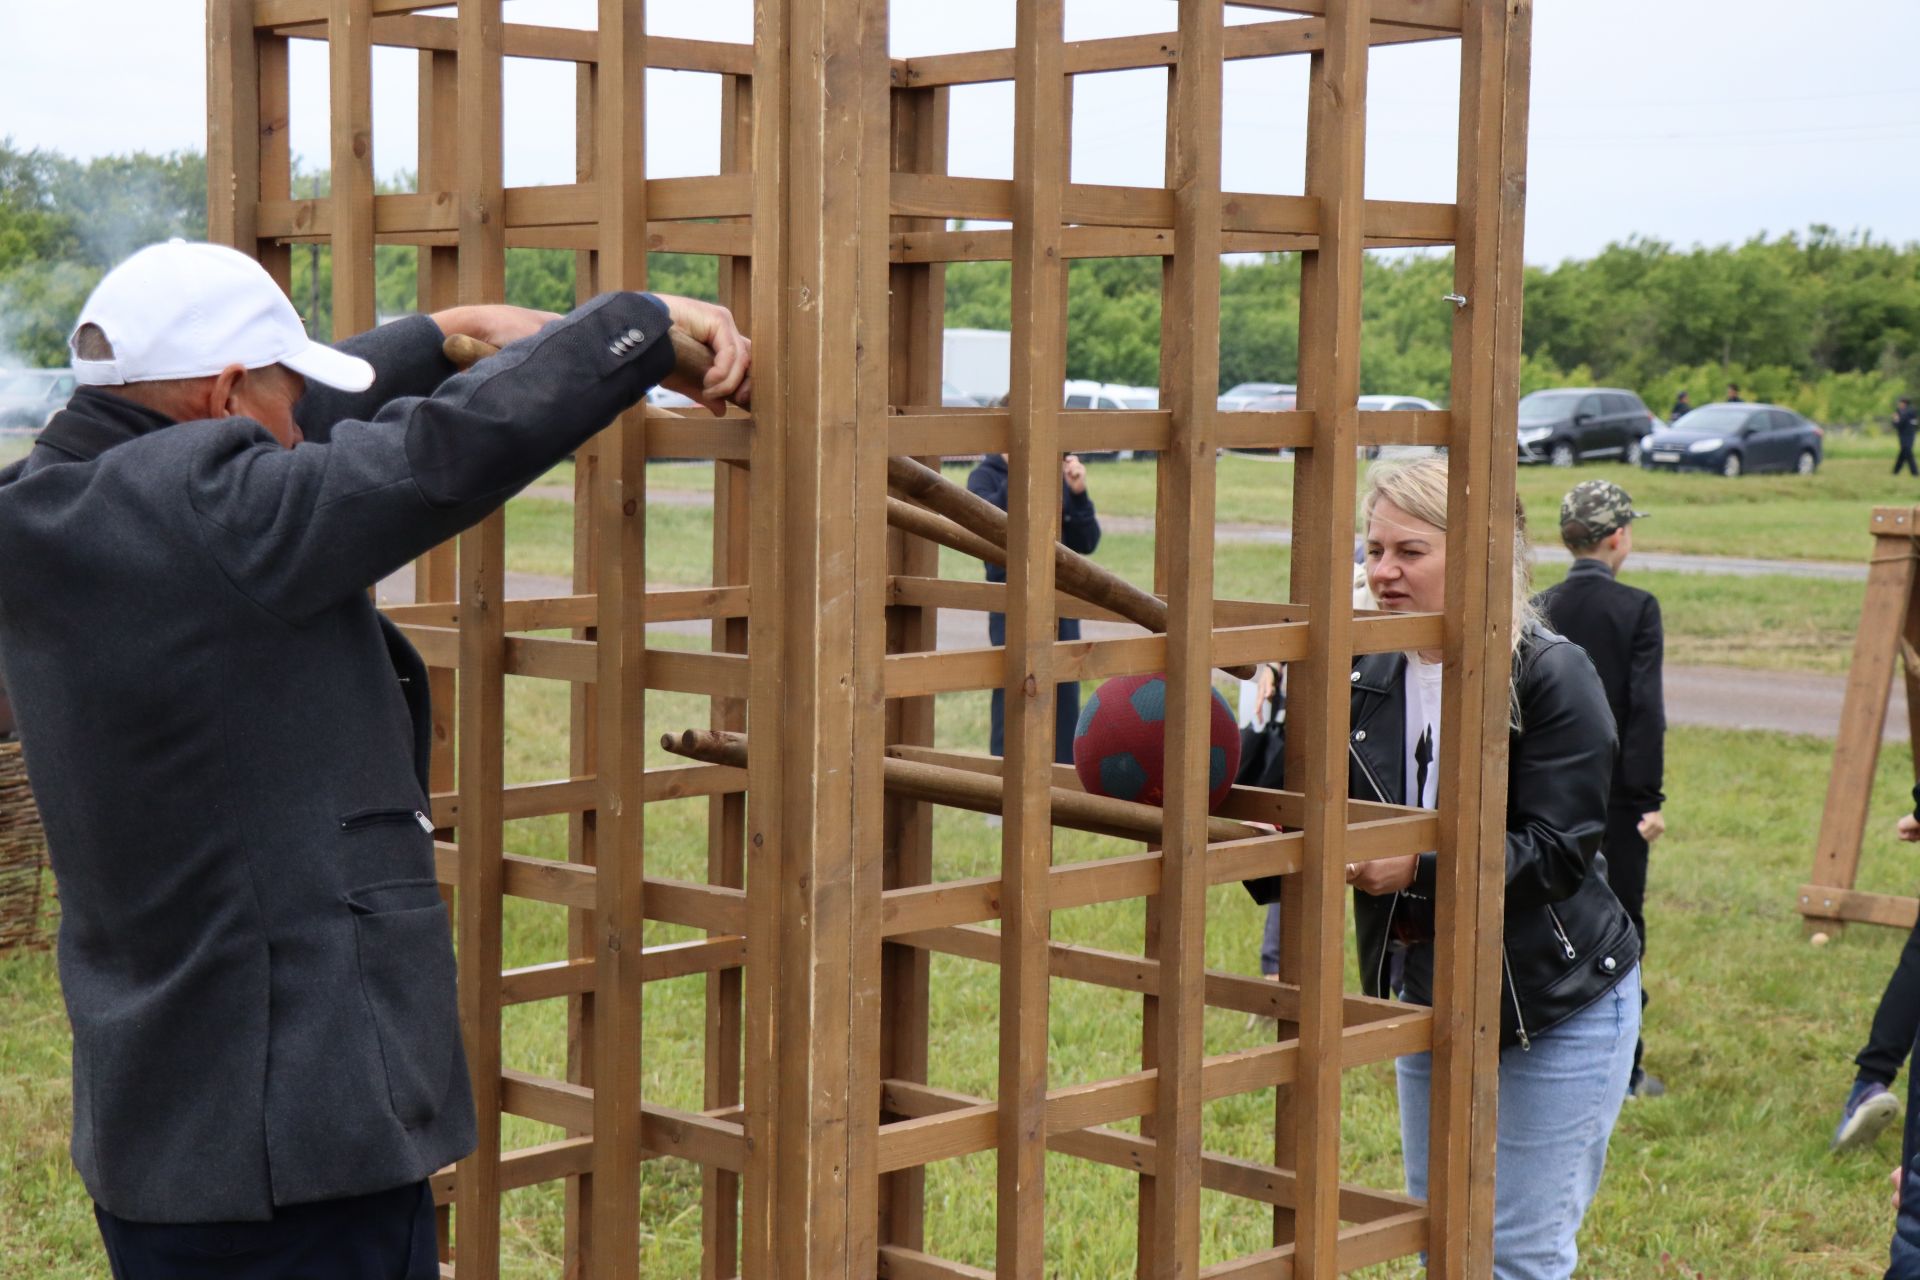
x=297, y=530
x=1079, y=523
x=1643, y=735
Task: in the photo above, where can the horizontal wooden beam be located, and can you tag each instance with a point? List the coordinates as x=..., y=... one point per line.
x=1156, y=49
x=397, y=24
x=921, y=1140
x=657, y=964
x=714, y=908
x=664, y=1131
x=1856, y=906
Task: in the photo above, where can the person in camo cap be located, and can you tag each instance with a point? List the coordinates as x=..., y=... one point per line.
x=1619, y=627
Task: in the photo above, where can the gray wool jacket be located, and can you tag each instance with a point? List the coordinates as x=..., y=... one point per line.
x=228, y=745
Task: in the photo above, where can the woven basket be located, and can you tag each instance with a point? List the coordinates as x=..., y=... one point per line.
x=27, y=904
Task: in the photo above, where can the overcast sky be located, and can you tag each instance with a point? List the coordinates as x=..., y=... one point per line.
x=1690, y=121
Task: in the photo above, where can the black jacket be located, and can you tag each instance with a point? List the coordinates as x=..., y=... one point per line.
x=1619, y=627
x=1567, y=939
x=1906, y=422
x=1079, y=531
x=227, y=743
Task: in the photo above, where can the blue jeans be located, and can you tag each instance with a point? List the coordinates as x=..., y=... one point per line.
x=1558, y=1102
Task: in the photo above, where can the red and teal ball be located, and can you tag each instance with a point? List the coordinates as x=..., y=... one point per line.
x=1119, y=746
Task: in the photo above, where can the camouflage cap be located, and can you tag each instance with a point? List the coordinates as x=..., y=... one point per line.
x=1593, y=509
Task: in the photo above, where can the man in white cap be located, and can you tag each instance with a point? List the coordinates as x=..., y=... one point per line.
x=228, y=742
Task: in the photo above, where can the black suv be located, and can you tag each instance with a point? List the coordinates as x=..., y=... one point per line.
x=1569, y=425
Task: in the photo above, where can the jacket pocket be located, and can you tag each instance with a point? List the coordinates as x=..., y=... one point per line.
x=405, y=949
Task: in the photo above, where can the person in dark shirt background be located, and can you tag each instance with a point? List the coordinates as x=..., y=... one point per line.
x=1619, y=627
x=1682, y=404
x=1080, y=530
x=1905, y=425
x=1733, y=394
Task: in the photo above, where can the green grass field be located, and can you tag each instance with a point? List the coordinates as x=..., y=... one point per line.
x=1728, y=1176
x=1752, y=1029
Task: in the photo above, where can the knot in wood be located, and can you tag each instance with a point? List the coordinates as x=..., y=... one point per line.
x=630, y=506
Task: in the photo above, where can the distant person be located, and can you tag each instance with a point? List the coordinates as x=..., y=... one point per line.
x=1904, y=426
x=1619, y=627
x=1682, y=405
x=1080, y=530
x=1733, y=394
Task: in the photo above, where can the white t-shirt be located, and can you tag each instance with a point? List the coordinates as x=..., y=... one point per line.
x=1423, y=718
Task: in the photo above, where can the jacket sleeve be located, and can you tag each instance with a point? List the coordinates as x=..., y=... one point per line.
x=1079, y=525
x=1558, y=774
x=1643, y=737
x=297, y=530
x=408, y=361
x=989, y=483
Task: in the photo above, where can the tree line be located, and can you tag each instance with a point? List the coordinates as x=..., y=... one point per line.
x=1823, y=321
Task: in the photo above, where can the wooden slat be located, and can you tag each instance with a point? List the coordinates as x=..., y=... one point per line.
x=350, y=83
x=1036, y=202
x=233, y=126
x=1323, y=504
x=394, y=25
x=621, y=199
x=1070, y=1108
x=1121, y=53
x=1825, y=904
x=1190, y=378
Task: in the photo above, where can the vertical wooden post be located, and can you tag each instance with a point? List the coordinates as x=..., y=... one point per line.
x=350, y=79
x=727, y=814
x=1480, y=515
x=438, y=282
x=233, y=125
x=1190, y=376
x=583, y=709
x=620, y=577
x=1033, y=508
x=276, y=153
x=482, y=682
x=916, y=326
x=1323, y=519
x=767, y=675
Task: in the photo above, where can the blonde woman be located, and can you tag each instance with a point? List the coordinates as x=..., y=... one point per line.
x=1570, y=983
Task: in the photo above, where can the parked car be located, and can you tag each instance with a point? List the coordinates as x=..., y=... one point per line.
x=1241, y=396
x=1136, y=397
x=29, y=397
x=1572, y=424
x=1397, y=404
x=1733, y=439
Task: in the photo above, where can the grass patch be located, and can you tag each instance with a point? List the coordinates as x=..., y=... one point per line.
x=1752, y=1030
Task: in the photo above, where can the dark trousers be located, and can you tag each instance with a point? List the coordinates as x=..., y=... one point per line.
x=1066, y=705
x=388, y=1235
x=1897, y=1018
x=1627, y=876
x=1906, y=457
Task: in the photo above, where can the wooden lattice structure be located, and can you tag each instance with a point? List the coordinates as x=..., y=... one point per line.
x=1888, y=635
x=822, y=902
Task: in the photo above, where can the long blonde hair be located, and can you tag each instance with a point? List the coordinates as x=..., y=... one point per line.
x=1419, y=488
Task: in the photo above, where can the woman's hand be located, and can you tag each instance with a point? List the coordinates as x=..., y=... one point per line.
x=1383, y=875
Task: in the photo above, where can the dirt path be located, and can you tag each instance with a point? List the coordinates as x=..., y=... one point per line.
x=1715, y=697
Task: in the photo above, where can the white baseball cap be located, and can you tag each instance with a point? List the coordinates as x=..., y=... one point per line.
x=186, y=310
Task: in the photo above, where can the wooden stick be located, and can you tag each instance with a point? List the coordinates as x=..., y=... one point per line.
x=923, y=523
x=690, y=355
x=981, y=792
x=1073, y=573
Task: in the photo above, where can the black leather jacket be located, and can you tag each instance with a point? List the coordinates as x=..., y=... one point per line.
x=1567, y=938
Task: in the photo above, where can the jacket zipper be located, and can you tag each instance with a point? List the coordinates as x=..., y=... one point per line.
x=1393, y=903
x=363, y=818
x=1560, y=932
x=1513, y=993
